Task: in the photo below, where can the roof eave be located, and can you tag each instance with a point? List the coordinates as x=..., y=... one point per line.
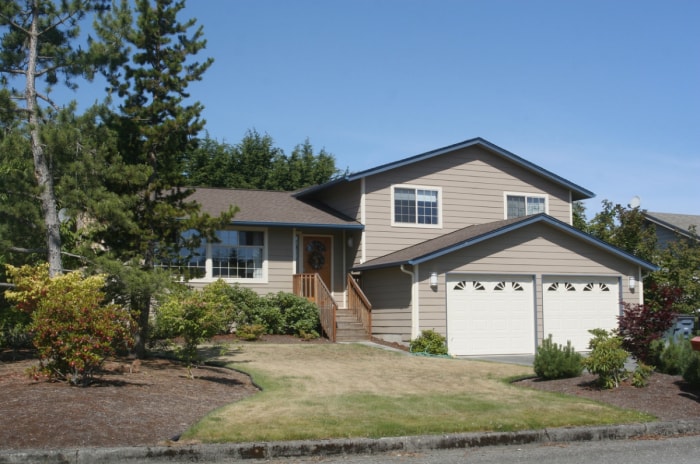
x=579, y=193
x=299, y=225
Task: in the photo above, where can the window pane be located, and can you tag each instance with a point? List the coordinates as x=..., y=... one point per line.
x=516, y=206
x=404, y=205
x=535, y=205
x=427, y=206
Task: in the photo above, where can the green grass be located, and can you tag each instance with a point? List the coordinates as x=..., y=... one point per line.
x=340, y=391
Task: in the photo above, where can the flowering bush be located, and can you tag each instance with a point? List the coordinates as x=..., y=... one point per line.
x=73, y=329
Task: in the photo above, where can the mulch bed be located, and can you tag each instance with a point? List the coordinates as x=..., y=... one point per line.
x=668, y=397
x=153, y=402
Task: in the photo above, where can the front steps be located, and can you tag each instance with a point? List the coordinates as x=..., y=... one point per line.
x=348, y=328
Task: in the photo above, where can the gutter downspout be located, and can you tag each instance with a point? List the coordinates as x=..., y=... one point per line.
x=415, y=304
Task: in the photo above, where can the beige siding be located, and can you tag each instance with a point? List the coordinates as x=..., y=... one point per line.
x=344, y=198
x=389, y=291
x=473, y=183
x=537, y=251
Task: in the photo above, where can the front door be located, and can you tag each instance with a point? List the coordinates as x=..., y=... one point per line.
x=317, y=257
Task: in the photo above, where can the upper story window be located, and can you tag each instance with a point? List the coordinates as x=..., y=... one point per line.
x=518, y=205
x=416, y=206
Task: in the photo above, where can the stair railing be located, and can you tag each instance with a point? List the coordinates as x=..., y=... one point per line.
x=359, y=304
x=311, y=286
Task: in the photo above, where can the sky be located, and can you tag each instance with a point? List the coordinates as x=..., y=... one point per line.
x=603, y=93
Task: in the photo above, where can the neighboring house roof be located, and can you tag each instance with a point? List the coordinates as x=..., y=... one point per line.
x=270, y=208
x=578, y=192
x=472, y=235
x=678, y=223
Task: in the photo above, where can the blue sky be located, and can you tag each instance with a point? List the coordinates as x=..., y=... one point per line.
x=603, y=93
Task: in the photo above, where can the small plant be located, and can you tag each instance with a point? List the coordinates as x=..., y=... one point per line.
x=555, y=361
x=607, y=358
x=429, y=342
x=640, y=377
x=250, y=332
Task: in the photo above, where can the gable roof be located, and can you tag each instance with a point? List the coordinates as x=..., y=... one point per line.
x=271, y=208
x=577, y=192
x=472, y=235
x=678, y=223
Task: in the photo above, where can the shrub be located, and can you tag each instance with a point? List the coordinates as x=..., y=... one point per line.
x=194, y=315
x=691, y=374
x=555, y=361
x=301, y=317
x=640, y=377
x=641, y=325
x=429, y=342
x=606, y=359
x=72, y=328
x=14, y=329
x=674, y=357
x=250, y=332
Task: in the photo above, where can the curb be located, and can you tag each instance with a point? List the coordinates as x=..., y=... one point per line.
x=301, y=448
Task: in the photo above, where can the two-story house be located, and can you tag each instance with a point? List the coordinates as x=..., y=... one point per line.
x=469, y=240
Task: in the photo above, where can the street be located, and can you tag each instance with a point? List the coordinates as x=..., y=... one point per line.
x=684, y=450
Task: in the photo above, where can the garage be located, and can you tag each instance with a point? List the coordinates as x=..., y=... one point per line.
x=490, y=314
x=574, y=305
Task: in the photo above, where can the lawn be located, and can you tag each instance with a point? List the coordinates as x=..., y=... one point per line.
x=351, y=390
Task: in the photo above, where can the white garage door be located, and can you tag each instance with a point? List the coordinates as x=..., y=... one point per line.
x=489, y=314
x=574, y=305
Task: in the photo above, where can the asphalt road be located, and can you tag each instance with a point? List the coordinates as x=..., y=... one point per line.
x=684, y=450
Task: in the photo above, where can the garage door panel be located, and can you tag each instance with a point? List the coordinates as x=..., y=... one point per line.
x=574, y=305
x=490, y=314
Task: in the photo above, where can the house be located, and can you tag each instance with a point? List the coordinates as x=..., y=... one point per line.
x=469, y=240
x=670, y=227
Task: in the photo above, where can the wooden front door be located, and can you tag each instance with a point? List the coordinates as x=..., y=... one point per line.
x=317, y=257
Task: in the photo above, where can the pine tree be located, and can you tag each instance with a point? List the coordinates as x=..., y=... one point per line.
x=38, y=44
x=156, y=126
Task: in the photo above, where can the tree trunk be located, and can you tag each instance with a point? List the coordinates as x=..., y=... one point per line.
x=42, y=169
x=141, y=309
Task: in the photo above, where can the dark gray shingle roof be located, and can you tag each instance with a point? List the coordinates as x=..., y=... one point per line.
x=270, y=208
x=680, y=223
x=472, y=235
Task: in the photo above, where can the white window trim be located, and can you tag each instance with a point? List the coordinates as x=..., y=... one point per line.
x=526, y=195
x=417, y=187
x=209, y=278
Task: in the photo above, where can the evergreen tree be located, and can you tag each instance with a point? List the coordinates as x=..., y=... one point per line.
x=156, y=126
x=256, y=163
x=38, y=44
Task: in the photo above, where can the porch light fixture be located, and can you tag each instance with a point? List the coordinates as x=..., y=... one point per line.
x=433, y=279
x=633, y=282
x=351, y=242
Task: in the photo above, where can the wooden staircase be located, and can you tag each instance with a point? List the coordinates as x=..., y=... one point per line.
x=339, y=324
x=348, y=328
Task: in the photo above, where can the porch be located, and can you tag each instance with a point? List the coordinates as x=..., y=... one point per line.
x=350, y=323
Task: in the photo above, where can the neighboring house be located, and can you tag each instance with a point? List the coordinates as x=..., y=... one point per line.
x=670, y=227
x=469, y=240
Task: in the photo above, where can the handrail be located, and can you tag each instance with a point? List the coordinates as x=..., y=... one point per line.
x=359, y=304
x=311, y=286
